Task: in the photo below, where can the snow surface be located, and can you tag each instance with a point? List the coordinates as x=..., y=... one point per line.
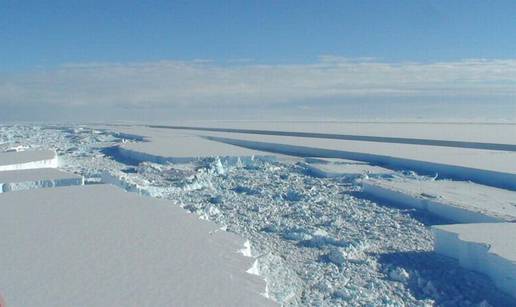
x=487, y=248
x=36, y=178
x=459, y=201
x=163, y=146
x=498, y=133
x=317, y=241
x=358, y=137
x=20, y=160
x=340, y=167
x=61, y=247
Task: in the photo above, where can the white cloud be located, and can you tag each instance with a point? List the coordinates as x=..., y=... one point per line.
x=202, y=83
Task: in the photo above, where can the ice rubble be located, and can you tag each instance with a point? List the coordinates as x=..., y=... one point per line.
x=487, y=248
x=134, y=151
x=493, y=168
x=36, y=178
x=319, y=236
x=117, y=250
x=317, y=242
x=30, y=159
x=459, y=201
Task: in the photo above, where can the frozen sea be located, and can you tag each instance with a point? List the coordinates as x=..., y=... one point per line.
x=318, y=241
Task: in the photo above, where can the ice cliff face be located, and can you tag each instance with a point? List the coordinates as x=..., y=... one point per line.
x=30, y=159
x=29, y=179
x=482, y=247
x=30, y=185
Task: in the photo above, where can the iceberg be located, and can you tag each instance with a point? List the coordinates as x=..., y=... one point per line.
x=30, y=159
x=36, y=178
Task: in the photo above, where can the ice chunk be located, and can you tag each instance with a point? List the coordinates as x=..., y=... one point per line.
x=337, y=257
x=246, y=250
x=20, y=160
x=36, y=178
x=486, y=248
x=399, y=274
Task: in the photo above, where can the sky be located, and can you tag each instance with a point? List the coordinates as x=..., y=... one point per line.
x=159, y=60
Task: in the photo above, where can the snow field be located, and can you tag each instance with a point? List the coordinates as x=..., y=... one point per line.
x=439, y=137
x=332, y=168
x=462, y=202
x=498, y=133
x=61, y=248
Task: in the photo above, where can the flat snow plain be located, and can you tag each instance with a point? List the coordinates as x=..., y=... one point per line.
x=459, y=201
x=333, y=168
x=60, y=247
x=500, y=133
x=318, y=241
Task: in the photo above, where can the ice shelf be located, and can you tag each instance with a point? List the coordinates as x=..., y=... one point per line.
x=459, y=132
x=317, y=241
x=20, y=160
x=96, y=245
x=36, y=178
x=161, y=146
x=459, y=201
x=329, y=168
x=486, y=248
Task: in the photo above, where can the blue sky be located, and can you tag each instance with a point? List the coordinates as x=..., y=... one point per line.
x=45, y=44
x=46, y=33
